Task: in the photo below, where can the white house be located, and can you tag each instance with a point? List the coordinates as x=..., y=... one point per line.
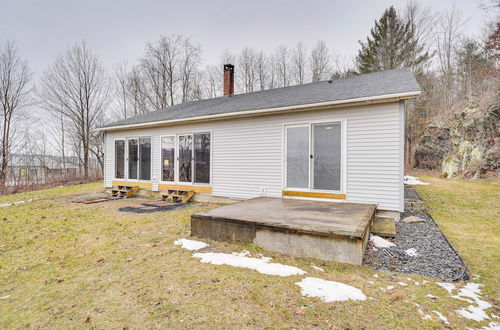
x=338, y=140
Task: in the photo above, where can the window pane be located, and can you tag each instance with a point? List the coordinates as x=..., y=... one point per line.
x=133, y=155
x=327, y=138
x=185, y=157
x=202, y=157
x=297, y=157
x=120, y=159
x=145, y=158
x=168, y=158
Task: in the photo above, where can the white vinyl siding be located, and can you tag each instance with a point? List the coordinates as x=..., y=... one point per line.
x=247, y=153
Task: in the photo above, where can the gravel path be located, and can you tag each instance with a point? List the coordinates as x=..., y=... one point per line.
x=435, y=257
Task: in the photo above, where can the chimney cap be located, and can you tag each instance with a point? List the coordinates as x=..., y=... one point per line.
x=228, y=66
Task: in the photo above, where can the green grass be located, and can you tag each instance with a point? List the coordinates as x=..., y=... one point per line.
x=67, y=265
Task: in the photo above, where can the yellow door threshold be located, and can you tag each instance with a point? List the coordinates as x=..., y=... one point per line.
x=312, y=194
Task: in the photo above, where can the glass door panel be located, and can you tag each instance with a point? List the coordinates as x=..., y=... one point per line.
x=202, y=157
x=327, y=156
x=297, y=157
x=120, y=159
x=133, y=157
x=185, y=158
x=168, y=158
x=145, y=158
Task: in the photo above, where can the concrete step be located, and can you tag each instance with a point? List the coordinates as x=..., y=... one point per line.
x=389, y=214
x=384, y=226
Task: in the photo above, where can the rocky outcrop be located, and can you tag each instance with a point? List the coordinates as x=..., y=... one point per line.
x=467, y=143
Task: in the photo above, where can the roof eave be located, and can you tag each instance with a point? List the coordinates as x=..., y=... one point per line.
x=245, y=113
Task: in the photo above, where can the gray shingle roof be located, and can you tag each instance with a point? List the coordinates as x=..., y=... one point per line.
x=367, y=85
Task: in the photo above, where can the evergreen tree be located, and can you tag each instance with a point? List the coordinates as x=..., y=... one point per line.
x=391, y=44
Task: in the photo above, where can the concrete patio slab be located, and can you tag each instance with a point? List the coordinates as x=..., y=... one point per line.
x=324, y=230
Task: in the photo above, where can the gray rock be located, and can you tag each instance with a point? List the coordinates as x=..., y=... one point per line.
x=465, y=143
x=413, y=219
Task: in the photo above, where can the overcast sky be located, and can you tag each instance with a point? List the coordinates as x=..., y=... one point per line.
x=118, y=30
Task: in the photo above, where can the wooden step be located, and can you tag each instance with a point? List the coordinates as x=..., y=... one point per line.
x=124, y=191
x=178, y=195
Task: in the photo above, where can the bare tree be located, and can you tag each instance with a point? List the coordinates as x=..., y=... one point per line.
x=15, y=77
x=189, y=73
x=261, y=68
x=121, y=81
x=320, y=62
x=282, y=61
x=77, y=87
x=421, y=20
x=246, y=69
x=299, y=60
x=446, y=34
x=160, y=66
x=342, y=66
x=213, y=81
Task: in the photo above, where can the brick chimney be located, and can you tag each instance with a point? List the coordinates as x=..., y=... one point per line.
x=228, y=79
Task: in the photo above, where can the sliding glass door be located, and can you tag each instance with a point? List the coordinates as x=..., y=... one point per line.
x=193, y=158
x=313, y=156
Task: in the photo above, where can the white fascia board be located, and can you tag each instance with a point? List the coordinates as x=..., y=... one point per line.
x=398, y=96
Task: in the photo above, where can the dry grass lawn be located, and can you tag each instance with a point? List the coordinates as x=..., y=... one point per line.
x=66, y=265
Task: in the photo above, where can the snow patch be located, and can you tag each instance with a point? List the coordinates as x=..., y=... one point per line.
x=412, y=252
x=402, y=283
x=262, y=265
x=329, y=291
x=16, y=203
x=447, y=286
x=390, y=287
x=414, y=181
x=190, y=245
x=473, y=313
x=318, y=268
x=470, y=293
x=441, y=317
x=380, y=242
x=492, y=326
x=421, y=312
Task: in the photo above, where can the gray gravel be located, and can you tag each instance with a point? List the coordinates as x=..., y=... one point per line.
x=411, y=194
x=150, y=209
x=435, y=257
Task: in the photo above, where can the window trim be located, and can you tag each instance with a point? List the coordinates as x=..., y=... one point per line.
x=343, y=155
